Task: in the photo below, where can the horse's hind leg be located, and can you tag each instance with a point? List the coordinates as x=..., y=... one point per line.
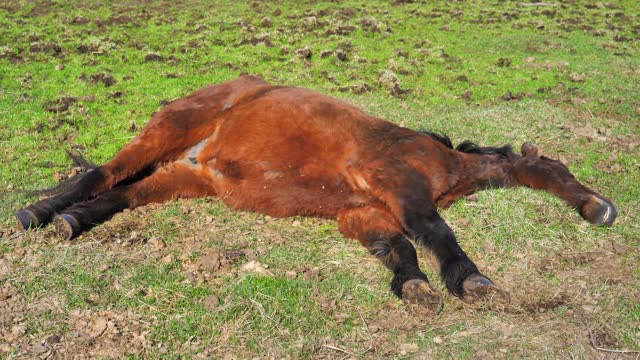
x=162, y=140
x=138, y=155
x=80, y=189
x=131, y=160
x=176, y=180
x=376, y=228
x=539, y=172
x=171, y=132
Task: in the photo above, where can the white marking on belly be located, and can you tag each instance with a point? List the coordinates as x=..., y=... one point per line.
x=355, y=179
x=271, y=174
x=194, y=151
x=361, y=182
x=191, y=157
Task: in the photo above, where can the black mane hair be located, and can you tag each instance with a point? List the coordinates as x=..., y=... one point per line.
x=471, y=147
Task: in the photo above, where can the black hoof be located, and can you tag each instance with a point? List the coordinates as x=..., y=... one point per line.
x=423, y=294
x=599, y=211
x=27, y=219
x=66, y=226
x=478, y=288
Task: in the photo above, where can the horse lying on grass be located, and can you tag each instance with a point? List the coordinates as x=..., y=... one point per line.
x=285, y=151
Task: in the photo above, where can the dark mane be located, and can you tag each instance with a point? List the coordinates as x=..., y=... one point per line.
x=441, y=138
x=471, y=147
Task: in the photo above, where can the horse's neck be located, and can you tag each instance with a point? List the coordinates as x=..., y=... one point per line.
x=478, y=172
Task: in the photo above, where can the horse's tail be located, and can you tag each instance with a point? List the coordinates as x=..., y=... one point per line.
x=80, y=166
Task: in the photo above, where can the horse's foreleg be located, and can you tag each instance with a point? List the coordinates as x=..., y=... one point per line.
x=406, y=194
x=539, y=172
x=176, y=180
x=459, y=273
x=382, y=235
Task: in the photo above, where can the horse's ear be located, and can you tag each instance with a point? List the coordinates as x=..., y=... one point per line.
x=528, y=149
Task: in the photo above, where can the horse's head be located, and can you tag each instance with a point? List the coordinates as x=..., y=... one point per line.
x=541, y=172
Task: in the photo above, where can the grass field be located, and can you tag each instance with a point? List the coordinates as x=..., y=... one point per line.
x=172, y=280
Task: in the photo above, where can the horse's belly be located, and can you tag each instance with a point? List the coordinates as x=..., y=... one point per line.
x=285, y=193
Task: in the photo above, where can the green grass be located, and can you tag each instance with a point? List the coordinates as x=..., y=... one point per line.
x=571, y=71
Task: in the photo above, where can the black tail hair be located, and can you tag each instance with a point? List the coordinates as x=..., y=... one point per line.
x=78, y=161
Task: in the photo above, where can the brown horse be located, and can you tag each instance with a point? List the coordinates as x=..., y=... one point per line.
x=287, y=151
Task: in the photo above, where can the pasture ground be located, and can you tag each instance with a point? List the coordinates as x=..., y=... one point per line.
x=193, y=279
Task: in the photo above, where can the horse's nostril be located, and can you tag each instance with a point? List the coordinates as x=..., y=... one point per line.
x=599, y=211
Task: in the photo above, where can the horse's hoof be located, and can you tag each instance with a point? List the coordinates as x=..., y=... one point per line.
x=599, y=211
x=66, y=226
x=27, y=219
x=478, y=288
x=528, y=149
x=420, y=292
